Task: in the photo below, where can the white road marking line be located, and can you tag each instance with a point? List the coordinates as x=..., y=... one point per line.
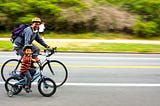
x=115, y=84
x=91, y=66
x=108, y=84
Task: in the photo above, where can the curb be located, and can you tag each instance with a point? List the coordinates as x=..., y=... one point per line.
x=157, y=42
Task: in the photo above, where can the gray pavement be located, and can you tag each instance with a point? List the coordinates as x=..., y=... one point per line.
x=98, y=79
x=86, y=96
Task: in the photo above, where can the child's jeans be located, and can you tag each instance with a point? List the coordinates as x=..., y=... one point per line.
x=29, y=78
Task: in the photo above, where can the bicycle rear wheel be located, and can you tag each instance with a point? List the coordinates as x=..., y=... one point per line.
x=11, y=84
x=12, y=65
x=57, y=71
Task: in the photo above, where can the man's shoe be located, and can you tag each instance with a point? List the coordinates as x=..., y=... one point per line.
x=27, y=90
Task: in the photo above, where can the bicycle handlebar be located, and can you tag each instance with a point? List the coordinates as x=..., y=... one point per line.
x=50, y=51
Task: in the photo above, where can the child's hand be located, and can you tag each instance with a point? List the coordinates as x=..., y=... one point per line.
x=36, y=59
x=33, y=60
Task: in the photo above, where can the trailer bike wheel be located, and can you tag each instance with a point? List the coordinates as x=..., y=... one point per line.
x=11, y=85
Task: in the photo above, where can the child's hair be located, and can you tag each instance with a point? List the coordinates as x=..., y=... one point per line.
x=27, y=47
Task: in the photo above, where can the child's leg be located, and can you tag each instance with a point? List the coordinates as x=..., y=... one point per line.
x=29, y=78
x=32, y=71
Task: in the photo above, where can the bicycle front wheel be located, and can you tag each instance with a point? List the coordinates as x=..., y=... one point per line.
x=57, y=71
x=12, y=65
x=47, y=87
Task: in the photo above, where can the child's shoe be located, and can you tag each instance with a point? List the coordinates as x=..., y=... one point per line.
x=27, y=89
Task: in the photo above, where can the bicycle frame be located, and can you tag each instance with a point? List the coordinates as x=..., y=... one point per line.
x=36, y=75
x=41, y=64
x=22, y=82
x=19, y=61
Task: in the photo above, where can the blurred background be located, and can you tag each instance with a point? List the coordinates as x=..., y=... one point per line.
x=102, y=19
x=140, y=17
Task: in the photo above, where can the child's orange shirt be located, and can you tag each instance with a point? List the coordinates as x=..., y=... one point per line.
x=26, y=63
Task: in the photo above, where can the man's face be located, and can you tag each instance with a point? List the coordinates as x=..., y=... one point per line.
x=35, y=25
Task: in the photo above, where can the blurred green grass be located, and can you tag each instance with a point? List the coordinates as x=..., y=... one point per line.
x=96, y=47
x=5, y=46
x=86, y=36
x=90, y=47
x=80, y=36
x=112, y=47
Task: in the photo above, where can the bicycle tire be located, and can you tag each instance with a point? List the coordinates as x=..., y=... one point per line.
x=44, y=85
x=17, y=89
x=60, y=72
x=8, y=67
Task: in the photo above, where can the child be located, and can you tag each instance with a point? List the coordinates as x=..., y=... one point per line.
x=26, y=70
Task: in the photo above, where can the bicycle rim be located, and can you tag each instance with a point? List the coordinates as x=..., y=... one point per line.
x=47, y=87
x=60, y=73
x=8, y=67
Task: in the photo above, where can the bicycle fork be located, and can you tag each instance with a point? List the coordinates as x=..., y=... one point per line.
x=50, y=68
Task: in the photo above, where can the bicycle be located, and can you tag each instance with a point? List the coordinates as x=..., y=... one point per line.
x=16, y=82
x=54, y=69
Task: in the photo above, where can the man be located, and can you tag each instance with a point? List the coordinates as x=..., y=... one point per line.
x=28, y=35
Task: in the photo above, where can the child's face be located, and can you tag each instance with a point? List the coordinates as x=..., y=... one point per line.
x=28, y=51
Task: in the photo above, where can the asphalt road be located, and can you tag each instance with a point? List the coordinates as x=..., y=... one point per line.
x=98, y=80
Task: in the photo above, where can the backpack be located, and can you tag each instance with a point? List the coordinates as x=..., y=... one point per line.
x=17, y=31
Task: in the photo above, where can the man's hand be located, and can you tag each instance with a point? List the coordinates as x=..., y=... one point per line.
x=48, y=46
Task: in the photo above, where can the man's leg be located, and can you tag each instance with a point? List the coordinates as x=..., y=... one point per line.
x=35, y=50
x=19, y=51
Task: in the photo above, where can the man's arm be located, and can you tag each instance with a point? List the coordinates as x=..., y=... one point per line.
x=41, y=41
